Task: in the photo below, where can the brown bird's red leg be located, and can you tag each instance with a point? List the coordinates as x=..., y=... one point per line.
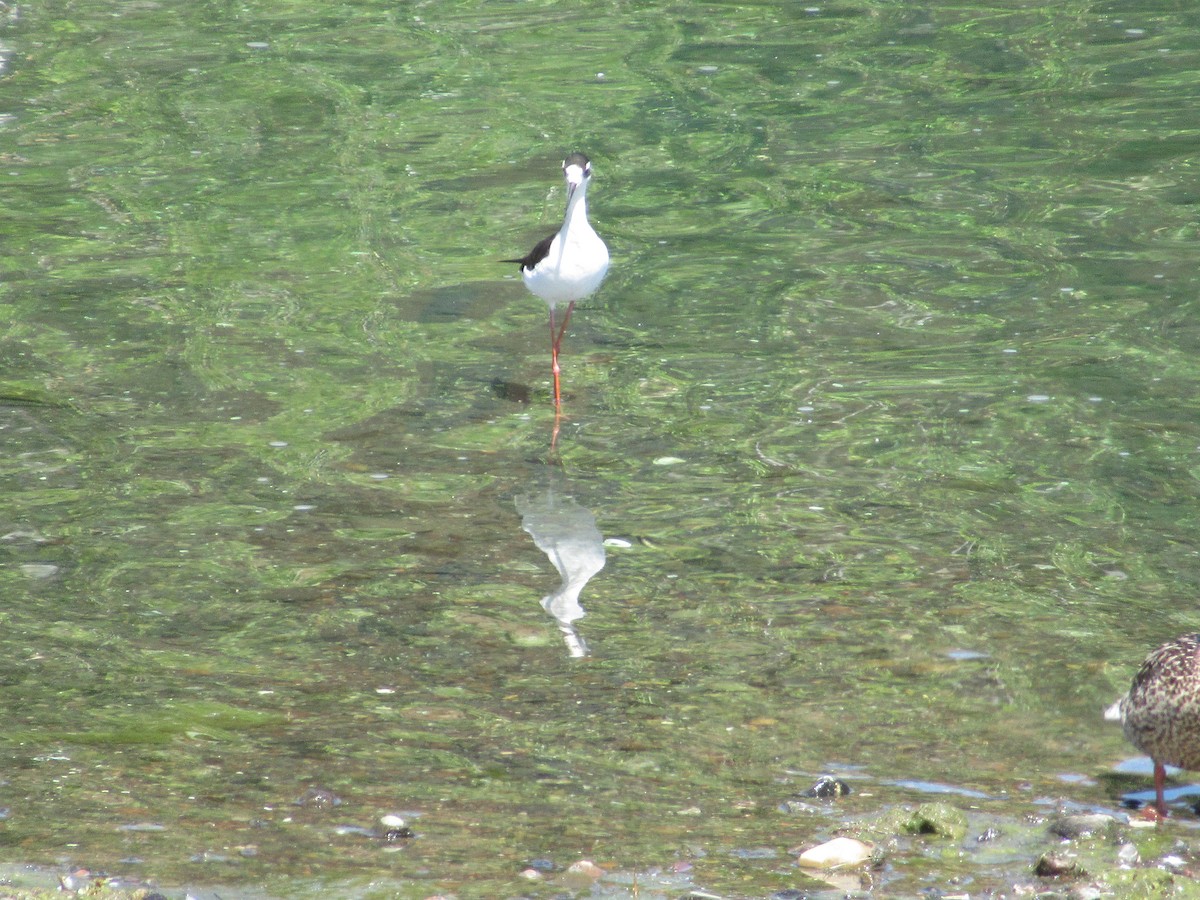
x=1160, y=780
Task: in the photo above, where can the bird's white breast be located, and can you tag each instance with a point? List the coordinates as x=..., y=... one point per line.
x=573, y=268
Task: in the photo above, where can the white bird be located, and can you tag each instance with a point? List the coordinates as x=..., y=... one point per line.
x=569, y=264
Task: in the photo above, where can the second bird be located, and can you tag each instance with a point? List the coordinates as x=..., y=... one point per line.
x=1161, y=712
x=569, y=264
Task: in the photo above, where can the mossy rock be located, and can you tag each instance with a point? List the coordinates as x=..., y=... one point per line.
x=937, y=818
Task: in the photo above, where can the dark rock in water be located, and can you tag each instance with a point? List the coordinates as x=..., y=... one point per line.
x=319, y=798
x=828, y=788
x=1081, y=826
x=793, y=807
x=513, y=391
x=1056, y=865
x=988, y=834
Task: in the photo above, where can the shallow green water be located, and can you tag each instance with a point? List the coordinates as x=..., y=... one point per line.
x=896, y=358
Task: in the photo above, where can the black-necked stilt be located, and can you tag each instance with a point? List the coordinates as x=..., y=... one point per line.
x=569, y=264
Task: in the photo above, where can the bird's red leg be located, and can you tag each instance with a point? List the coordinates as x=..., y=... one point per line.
x=1160, y=780
x=556, y=336
x=554, y=339
x=563, y=329
x=557, y=389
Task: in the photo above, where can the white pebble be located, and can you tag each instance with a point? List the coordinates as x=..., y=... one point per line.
x=841, y=851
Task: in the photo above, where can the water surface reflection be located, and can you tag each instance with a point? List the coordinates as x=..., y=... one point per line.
x=566, y=532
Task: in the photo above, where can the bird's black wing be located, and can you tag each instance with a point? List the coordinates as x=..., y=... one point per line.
x=540, y=251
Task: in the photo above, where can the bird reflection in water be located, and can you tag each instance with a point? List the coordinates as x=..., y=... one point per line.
x=566, y=532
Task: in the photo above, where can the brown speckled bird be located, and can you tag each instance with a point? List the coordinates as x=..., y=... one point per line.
x=1161, y=712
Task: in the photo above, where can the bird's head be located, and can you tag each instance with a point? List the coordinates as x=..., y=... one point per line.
x=577, y=169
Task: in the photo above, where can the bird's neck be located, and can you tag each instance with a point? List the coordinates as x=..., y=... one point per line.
x=576, y=218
